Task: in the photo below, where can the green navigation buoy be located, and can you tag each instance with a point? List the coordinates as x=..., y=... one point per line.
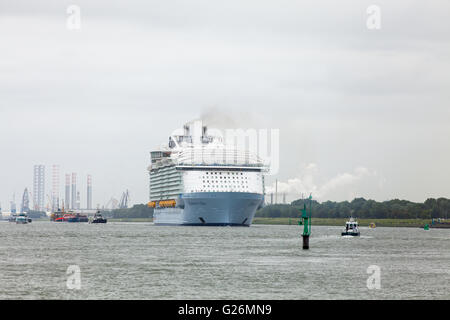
x=306, y=222
x=426, y=227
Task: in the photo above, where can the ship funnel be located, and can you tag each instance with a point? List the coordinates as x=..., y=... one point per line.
x=196, y=128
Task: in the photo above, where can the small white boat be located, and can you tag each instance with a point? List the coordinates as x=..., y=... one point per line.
x=351, y=228
x=22, y=219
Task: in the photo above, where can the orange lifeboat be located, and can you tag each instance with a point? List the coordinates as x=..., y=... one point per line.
x=167, y=203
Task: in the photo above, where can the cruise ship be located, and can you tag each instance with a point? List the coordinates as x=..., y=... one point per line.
x=196, y=179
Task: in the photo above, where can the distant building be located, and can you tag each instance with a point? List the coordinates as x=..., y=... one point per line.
x=74, y=191
x=39, y=187
x=55, y=187
x=89, y=192
x=13, y=204
x=78, y=204
x=67, y=202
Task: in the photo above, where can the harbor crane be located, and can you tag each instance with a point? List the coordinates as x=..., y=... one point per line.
x=111, y=204
x=25, y=206
x=124, y=200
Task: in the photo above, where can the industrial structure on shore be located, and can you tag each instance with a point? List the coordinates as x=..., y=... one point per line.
x=39, y=187
x=72, y=196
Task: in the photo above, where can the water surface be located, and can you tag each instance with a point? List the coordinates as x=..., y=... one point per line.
x=143, y=261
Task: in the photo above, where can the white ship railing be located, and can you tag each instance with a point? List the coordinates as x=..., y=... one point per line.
x=218, y=156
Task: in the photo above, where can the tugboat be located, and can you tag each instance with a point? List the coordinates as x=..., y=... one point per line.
x=98, y=218
x=57, y=216
x=351, y=228
x=75, y=217
x=62, y=216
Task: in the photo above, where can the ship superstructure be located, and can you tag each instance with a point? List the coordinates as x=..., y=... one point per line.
x=198, y=180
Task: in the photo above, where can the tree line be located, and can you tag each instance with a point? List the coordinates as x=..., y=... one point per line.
x=358, y=208
x=33, y=214
x=362, y=208
x=137, y=211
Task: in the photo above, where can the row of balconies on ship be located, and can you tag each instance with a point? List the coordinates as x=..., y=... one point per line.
x=165, y=175
x=158, y=182
x=165, y=181
x=166, y=188
x=160, y=163
x=164, y=196
x=171, y=177
x=163, y=171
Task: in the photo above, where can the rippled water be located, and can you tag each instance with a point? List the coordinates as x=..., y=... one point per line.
x=143, y=261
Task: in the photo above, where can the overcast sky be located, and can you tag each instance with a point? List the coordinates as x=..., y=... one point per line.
x=361, y=112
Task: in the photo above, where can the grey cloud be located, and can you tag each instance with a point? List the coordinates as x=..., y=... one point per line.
x=341, y=95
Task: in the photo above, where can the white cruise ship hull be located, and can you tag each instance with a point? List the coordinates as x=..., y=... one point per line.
x=211, y=209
